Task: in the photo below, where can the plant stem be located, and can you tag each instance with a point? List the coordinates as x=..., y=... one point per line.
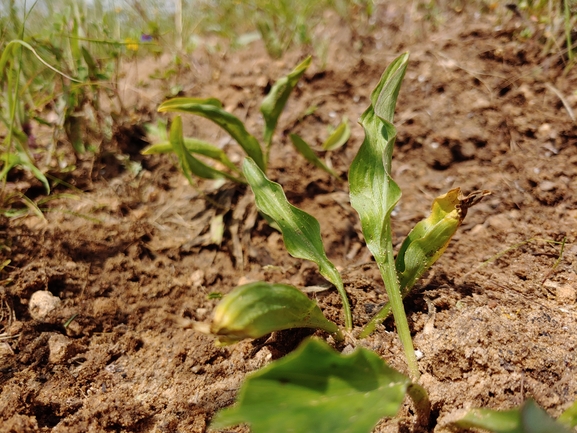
x=376, y=321
x=386, y=263
x=421, y=402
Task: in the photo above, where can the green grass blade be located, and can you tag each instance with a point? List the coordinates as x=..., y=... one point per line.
x=191, y=165
x=301, y=232
x=306, y=151
x=374, y=193
x=7, y=53
x=274, y=103
x=315, y=389
x=339, y=137
x=211, y=108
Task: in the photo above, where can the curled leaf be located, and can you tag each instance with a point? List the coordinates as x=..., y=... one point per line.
x=430, y=237
x=211, y=108
x=427, y=242
x=256, y=309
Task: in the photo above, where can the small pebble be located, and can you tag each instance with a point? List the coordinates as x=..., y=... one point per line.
x=547, y=185
x=44, y=306
x=61, y=348
x=566, y=294
x=348, y=349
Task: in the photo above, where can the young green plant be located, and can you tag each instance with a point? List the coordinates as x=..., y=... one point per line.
x=374, y=194
x=212, y=109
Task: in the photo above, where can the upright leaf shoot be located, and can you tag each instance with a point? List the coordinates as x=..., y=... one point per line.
x=301, y=232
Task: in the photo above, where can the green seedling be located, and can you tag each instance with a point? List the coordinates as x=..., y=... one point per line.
x=529, y=418
x=257, y=309
x=162, y=144
x=188, y=162
x=374, y=194
x=212, y=109
x=337, y=139
x=339, y=136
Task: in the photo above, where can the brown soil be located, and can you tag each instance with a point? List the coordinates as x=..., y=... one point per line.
x=132, y=260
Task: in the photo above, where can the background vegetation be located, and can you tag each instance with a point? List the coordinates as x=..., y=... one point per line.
x=62, y=61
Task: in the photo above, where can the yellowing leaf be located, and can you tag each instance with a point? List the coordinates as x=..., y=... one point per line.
x=427, y=242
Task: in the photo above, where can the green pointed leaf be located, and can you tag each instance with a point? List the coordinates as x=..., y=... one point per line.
x=374, y=193
x=274, y=103
x=306, y=151
x=191, y=165
x=211, y=108
x=315, y=389
x=339, y=137
x=529, y=418
x=257, y=309
x=301, y=232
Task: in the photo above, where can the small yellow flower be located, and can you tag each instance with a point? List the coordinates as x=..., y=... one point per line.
x=131, y=44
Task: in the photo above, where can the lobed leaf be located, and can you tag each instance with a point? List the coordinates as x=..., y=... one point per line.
x=301, y=231
x=274, y=103
x=191, y=165
x=306, y=151
x=529, y=418
x=211, y=108
x=257, y=309
x=315, y=389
